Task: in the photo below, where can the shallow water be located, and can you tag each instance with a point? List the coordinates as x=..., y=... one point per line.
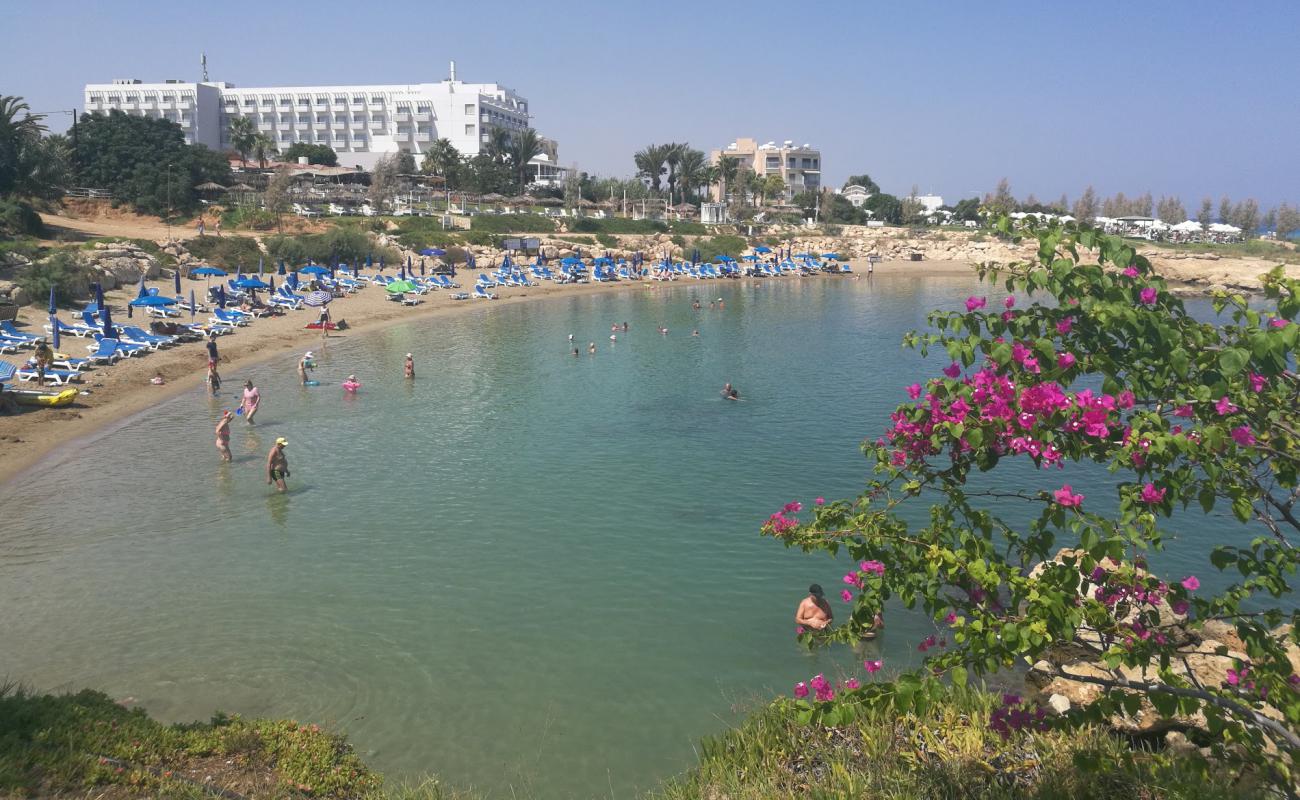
x=524, y=571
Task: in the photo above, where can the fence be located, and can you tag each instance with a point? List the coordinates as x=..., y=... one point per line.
x=85, y=191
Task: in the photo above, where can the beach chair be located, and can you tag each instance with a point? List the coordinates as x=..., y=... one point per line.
x=480, y=293
x=230, y=317
x=65, y=361
x=80, y=331
x=134, y=334
x=8, y=329
x=104, y=351
x=125, y=348
x=59, y=377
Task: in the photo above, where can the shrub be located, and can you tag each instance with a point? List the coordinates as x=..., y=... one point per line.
x=345, y=244
x=678, y=239
x=512, y=223
x=579, y=239
x=481, y=238
x=710, y=249
x=606, y=240
x=25, y=247
x=61, y=271
x=689, y=228
x=254, y=218
x=617, y=225
x=18, y=218
x=227, y=252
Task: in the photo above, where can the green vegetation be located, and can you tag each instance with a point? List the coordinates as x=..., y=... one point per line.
x=227, y=252
x=61, y=271
x=606, y=240
x=617, y=225
x=145, y=161
x=579, y=239
x=18, y=218
x=321, y=154
x=149, y=246
x=25, y=246
x=512, y=223
x=710, y=249
x=253, y=218
x=945, y=751
x=1189, y=417
x=345, y=244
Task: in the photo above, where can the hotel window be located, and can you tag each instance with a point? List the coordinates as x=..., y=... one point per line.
x=285, y=119
x=185, y=116
x=249, y=102
x=423, y=108
x=267, y=102
x=358, y=117
x=358, y=137
x=320, y=101
x=167, y=98
x=285, y=102
x=358, y=99
x=816, y=163
x=113, y=98
x=485, y=138
x=303, y=119
x=376, y=98
x=340, y=99
x=340, y=119
x=403, y=106
x=791, y=163
x=320, y=119
x=774, y=162
x=339, y=136
x=131, y=98
x=469, y=109
x=378, y=118
x=304, y=101
x=96, y=98
x=469, y=130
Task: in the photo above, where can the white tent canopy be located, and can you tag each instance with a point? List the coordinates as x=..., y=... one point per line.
x=1220, y=227
x=1190, y=226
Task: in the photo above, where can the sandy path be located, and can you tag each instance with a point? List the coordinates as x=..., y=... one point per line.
x=124, y=228
x=124, y=389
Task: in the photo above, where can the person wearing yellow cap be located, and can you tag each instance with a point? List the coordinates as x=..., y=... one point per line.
x=277, y=464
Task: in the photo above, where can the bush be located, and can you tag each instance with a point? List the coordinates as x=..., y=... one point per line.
x=61, y=271
x=710, y=249
x=25, y=247
x=342, y=243
x=678, y=239
x=254, y=218
x=513, y=223
x=617, y=225
x=579, y=239
x=606, y=240
x=227, y=252
x=18, y=218
x=689, y=228
x=481, y=238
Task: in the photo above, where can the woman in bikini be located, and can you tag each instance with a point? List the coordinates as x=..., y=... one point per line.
x=223, y=435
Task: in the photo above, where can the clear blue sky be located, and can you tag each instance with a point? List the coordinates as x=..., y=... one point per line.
x=1188, y=98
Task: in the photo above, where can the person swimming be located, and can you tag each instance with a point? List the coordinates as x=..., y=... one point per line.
x=591, y=348
x=408, y=369
x=695, y=332
x=351, y=384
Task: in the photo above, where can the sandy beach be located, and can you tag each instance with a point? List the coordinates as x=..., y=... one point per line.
x=122, y=390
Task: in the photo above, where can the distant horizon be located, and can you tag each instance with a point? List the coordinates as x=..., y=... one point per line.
x=950, y=99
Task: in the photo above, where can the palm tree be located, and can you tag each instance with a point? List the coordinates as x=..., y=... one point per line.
x=525, y=145
x=263, y=147
x=20, y=132
x=242, y=137
x=672, y=158
x=650, y=163
x=498, y=144
x=728, y=169
x=441, y=158
x=692, y=170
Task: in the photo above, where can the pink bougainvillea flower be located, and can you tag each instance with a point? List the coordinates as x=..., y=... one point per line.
x=1278, y=322
x=914, y=391
x=1235, y=676
x=1180, y=606
x=801, y=689
x=951, y=617
x=820, y=501
x=1225, y=406
x=1010, y=302
x=818, y=681
x=852, y=579
x=1151, y=495
x=1125, y=399
x=1243, y=436
x=952, y=370
x=847, y=596
x=1185, y=410
x=852, y=683
x=1130, y=271
x=974, y=302
x=798, y=630
x=1191, y=583
x=1065, y=360
x=1030, y=364
x=825, y=694
x=927, y=643
x=875, y=567
x=1008, y=315
x=1147, y=296
x=1257, y=382
x=1065, y=496
x=872, y=667
x=1063, y=327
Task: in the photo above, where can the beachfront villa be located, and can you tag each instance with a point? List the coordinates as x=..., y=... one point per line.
x=800, y=166
x=361, y=123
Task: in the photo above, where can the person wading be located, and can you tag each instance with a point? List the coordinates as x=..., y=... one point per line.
x=277, y=465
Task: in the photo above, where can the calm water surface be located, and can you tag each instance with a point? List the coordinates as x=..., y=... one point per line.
x=524, y=571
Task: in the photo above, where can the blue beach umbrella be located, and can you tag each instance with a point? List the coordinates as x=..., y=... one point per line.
x=381, y=263
x=142, y=291
x=176, y=276
x=150, y=300
x=221, y=297
x=193, y=307
x=249, y=283
x=835, y=256
x=207, y=272
x=762, y=249
x=260, y=269
x=292, y=280
x=107, y=316
x=314, y=269
x=270, y=283
x=54, y=320
x=282, y=270
x=332, y=261
x=99, y=295
x=369, y=261
x=422, y=267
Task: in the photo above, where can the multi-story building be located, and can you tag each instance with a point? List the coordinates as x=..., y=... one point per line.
x=361, y=123
x=800, y=167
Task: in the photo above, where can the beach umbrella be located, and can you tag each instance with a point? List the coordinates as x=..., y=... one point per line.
x=270, y=283
x=107, y=316
x=422, y=267
x=749, y=258
x=260, y=268
x=99, y=296
x=317, y=298
x=397, y=287
x=282, y=270
x=221, y=296
x=142, y=291
x=250, y=283
x=54, y=320
x=176, y=276
x=314, y=269
x=150, y=300
x=369, y=261
x=381, y=263
x=835, y=256
x=762, y=249
x=193, y=307
x=332, y=261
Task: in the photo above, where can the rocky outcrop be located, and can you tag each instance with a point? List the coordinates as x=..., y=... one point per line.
x=114, y=264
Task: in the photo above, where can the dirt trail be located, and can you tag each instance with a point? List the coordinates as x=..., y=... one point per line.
x=65, y=228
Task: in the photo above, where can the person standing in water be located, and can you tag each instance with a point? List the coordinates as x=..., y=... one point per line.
x=223, y=435
x=214, y=380
x=408, y=368
x=305, y=363
x=591, y=348
x=814, y=612
x=252, y=399
x=277, y=465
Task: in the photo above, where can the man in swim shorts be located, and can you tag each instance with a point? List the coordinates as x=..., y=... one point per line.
x=814, y=612
x=277, y=465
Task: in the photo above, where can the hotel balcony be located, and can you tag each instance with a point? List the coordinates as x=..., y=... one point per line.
x=402, y=116
x=422, y=136
x=423, y=116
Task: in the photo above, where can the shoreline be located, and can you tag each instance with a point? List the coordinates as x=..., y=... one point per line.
x=121, y=392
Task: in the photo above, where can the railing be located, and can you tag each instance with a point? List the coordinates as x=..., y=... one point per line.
x=86, y=191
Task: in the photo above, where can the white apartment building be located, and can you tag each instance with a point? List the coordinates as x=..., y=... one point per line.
x=360, y=123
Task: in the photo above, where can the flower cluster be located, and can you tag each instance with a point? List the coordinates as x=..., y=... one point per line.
x=1014, y=715
x=780, y=523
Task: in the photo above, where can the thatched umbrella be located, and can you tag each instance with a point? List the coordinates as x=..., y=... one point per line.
x=585, y=203
x=522, y=200
x=209, y=187
x=548, y=201
x=241, y=187
x=491, y=197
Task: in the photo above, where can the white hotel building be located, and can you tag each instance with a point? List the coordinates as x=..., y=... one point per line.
x=360, y=123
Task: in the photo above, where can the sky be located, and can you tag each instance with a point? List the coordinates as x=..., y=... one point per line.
x=1185, y=98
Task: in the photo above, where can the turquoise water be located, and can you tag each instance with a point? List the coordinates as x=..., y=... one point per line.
x=525, y=572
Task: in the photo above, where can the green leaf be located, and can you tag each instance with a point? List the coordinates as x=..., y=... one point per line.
x=958, y=675
x=1232, y=361
x=1241, y=507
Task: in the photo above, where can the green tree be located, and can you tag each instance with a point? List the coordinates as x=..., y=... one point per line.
x=276, y=197
x=130, y=157
x=498, y=144
x=884, y=207
x=1171, y=210
x=1288, y=221
x=242, y=137
x=864, y=181
x=1085, y=208
x=968, y=209
x=20, y=146
x=1225, y=210
x=383, y=181
x=1110, y=375
x=728, y=170
x=692, y=171
x=1245, y=215
x=404, y=162
x=769, y=187
x=441, y=159
x=525, y=145
x=672, y=158
x=650, y=164
x=1205, y=216
x=263, y=148
x=321, y=154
